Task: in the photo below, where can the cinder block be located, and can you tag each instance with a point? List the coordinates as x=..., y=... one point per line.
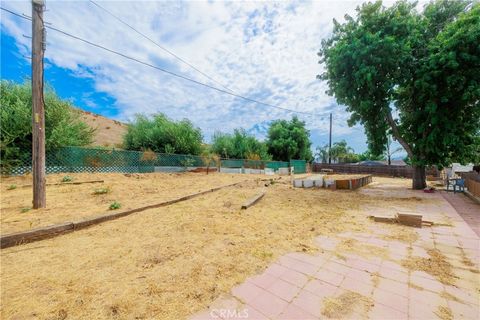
x=269, y=172
x=318, y=183
x=298, y=183
x=307, y=183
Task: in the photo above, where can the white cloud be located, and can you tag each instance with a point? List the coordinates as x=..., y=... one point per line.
x=264, y=50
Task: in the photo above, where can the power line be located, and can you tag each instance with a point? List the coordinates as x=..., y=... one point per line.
x=161, y=47
x=164, y=70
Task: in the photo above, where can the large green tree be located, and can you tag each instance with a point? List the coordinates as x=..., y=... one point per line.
x=63, y=126
x=160, y=134
x=239, y=145
x=289, y=140
x=416, y=74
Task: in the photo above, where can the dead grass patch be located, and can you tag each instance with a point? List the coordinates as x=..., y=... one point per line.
x=450, y=296
x=444, y=313
x=362, y=249
x=401, y=233
x=346, y=305
x=437, y=265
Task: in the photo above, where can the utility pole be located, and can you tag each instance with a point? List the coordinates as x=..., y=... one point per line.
x=330, y=142
x=38, y=110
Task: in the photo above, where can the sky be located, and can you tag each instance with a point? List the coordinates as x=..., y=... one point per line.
x=265, y=51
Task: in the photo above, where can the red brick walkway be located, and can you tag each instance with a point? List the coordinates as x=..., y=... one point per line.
x=468, y=209
x=375, y=280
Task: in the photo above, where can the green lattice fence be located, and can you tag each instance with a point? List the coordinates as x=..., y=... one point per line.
x=77, y=159
x=299, y=166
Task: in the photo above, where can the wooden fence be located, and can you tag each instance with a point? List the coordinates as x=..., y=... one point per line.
x=472, y=182
x=391, y=171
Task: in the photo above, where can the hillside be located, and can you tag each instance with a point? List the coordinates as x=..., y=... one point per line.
x=108, y=132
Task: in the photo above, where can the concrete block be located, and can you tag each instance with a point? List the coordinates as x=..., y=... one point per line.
x=307, y=183
x=269, y=172
x=298, y=183
x=318, y=182
x=283, y=171
x=231, y=170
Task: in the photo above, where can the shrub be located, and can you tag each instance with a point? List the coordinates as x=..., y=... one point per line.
x=63, y=126
x=101, y=191
x=12, y=187
x=67, y=179
x=238, y=145
x=115, y=205
x=160, y=134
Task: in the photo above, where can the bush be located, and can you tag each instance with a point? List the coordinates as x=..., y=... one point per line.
x=101, y=191
x=115, y=205
x=238, y=145
x=63, y=126
x=160, y=134
x=67, y=179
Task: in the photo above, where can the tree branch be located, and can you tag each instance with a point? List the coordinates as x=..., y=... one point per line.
x=396, y=134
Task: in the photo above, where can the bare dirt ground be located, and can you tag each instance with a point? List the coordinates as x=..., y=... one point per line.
x=74, y=202
x=171, y=262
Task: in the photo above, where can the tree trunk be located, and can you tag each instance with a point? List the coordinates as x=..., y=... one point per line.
x=419, y=178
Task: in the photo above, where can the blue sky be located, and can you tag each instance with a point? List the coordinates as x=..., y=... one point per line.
x=263, y=50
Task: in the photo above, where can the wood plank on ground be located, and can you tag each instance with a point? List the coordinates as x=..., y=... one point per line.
x=250, y=202
x=64, y=183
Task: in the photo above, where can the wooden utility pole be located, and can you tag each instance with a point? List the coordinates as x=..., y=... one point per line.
x=330, y=142
x=38, y=110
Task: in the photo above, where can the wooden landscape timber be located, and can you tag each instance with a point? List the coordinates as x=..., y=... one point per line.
x=252, y=201
x=64, y=183
x=18, y=238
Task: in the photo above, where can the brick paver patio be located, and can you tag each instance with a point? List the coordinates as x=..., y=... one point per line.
x=300, y=285
x=466, y=208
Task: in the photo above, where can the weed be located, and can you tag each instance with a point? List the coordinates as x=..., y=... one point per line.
x=67, y=179
x=115, y=205
x=101, y=191
x=26, y=209
x=12, y=187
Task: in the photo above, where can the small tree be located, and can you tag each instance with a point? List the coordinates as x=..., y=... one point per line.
x=424, y=66
x=209, y=158
x=289, y=140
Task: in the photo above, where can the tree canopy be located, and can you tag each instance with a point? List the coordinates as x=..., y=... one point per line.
x=416, y=74
x=340, y=152
x=239, y=145
x=63, y=126
x=289, y=140
x=160, y=134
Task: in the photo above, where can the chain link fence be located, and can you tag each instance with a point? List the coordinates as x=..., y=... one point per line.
x=77, y=159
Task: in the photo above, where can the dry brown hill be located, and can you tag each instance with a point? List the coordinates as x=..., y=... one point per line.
x=108, y=132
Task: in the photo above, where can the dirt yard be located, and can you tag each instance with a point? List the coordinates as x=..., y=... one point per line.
x=171, y=262
x=73, y=202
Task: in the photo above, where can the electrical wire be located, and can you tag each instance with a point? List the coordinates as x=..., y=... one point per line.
x=160, y=46
x=164, y=70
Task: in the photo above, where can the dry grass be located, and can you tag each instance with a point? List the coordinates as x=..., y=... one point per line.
x=444, y=313
x=401, y=233
x=74, y=202
x=171, y=262
x=347, y=305
x=437, y=265
x=361, y=249
x=450, y=296
x=108, y=132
